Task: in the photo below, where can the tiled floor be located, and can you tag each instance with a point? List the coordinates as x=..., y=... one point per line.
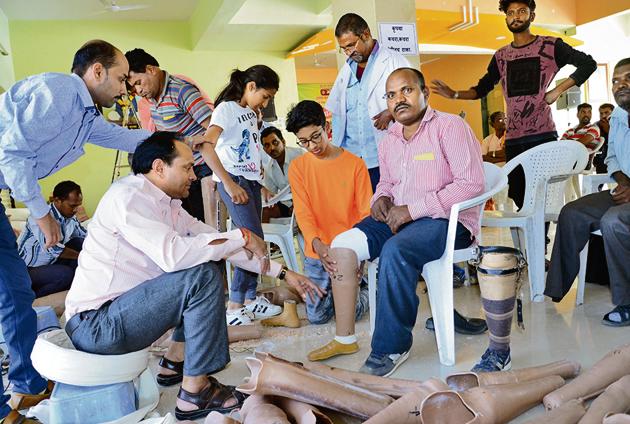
x=552, y=332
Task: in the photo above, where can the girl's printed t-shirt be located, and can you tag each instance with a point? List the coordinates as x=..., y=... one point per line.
x=238, y=146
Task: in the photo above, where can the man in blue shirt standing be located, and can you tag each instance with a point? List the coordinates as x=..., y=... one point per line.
x=45, y=120
x=607, y=210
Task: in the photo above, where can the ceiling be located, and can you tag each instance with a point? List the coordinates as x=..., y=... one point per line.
x=157, y=10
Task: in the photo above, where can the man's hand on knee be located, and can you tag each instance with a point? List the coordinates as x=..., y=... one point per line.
x=381, y=208
x=397, y=216
x=621, y=194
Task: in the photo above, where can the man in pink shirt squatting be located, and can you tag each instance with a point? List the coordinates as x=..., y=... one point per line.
x=429, y=160
x=148, y=266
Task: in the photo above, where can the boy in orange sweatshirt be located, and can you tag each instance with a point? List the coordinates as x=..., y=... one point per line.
x=331, y=192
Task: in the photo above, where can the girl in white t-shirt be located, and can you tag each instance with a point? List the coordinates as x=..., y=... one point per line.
x=234, y=155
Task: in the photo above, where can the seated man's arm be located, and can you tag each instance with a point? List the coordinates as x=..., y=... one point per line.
x=591, y=138
x=68, y=253
x=381, y=202
x=462, y=152
x=144, y=229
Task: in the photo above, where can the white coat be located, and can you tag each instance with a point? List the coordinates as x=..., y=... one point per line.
x=386, y=61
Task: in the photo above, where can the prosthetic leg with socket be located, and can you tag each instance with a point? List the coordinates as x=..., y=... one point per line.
x=345, y=287
x=498, y=271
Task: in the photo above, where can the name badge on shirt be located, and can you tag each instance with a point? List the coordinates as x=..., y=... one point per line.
x=424, y=156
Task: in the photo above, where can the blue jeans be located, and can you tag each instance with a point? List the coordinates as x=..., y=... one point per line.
x=248, y=216
x=402, y=257
x=321, y=310
x=19, y=322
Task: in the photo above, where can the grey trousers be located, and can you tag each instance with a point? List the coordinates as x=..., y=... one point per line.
x=190, y=300
x=576, y=222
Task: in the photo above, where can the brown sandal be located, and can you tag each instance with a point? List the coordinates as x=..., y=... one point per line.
x=212, y=398
x=170, y=379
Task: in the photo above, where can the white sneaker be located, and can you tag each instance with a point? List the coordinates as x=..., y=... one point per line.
x=263, y=308
x=238, y=317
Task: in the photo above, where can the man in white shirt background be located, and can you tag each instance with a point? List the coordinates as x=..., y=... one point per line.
x=276, y=165
x=493, y=146
x=148, y=266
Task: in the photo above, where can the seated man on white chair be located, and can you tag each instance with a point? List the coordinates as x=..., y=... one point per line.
x=276, y=172
x=606, y=210
x=148, y=266
x=429, y=160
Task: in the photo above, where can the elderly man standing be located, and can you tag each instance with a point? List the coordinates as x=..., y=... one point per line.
x=147, y=266
x=607, y=210
x=45, y=120
x=429, y=161
x=356, y=101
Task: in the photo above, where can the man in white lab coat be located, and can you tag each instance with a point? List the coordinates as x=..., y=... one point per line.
x=357, y=99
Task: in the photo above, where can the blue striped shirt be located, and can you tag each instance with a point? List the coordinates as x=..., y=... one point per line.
x=32, y=241
x=45, y=120
x=180, y=108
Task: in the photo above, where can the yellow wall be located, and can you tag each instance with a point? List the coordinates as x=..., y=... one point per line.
x=316, y=75
x=588, y=10
x=43, y=46
x=460, y=72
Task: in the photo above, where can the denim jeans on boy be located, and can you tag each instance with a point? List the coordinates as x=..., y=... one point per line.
x=247, y=215
x=401, y=259
x=18, y=319
x=321, y=310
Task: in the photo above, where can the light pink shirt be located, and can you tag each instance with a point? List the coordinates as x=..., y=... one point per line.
x=439, y=166
x=138, y=233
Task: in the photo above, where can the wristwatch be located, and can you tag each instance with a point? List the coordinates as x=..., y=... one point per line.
x=283, y=273
x=456, y=95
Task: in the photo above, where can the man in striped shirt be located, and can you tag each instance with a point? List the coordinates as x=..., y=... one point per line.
x=429, y=161
x=176, y=106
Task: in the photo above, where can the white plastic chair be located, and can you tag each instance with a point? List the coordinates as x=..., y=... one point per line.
x=438, y=274
x=590, y=184
x=547, y=167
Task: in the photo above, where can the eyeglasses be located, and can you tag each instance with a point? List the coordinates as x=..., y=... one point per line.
x=352, y=47
x=315, y=138
x=521, y=12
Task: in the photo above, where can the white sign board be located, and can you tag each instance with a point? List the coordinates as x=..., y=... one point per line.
x=400, y=37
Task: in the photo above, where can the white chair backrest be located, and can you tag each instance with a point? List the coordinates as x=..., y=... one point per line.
x=546, y=169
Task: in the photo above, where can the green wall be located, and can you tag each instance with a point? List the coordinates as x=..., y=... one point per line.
x=49, y=46
x=6, y=65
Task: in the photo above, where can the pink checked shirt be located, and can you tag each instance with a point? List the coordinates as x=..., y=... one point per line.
x=439, y=166
x=138, y=233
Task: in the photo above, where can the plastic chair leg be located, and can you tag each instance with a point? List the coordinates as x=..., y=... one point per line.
x=288, y=241
x=579, y=298
x=439, y=278
x=372, y=272
x=535, y=242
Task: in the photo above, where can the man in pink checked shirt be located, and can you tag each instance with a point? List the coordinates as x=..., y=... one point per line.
x=429, y=160
x=148, y=266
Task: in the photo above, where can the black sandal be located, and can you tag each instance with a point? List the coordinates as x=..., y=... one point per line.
x=170, y=379
x=212, y=398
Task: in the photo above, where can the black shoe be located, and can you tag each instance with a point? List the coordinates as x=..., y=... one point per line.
x=463, y=325
x=618, y=317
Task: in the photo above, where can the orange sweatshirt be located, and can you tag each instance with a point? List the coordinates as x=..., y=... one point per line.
x=329, y=196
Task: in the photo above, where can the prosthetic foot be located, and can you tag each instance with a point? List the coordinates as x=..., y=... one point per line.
x=606, y=371
x=331, y=349
x=288, y=317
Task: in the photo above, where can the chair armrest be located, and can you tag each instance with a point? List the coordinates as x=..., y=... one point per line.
x=592, y=181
